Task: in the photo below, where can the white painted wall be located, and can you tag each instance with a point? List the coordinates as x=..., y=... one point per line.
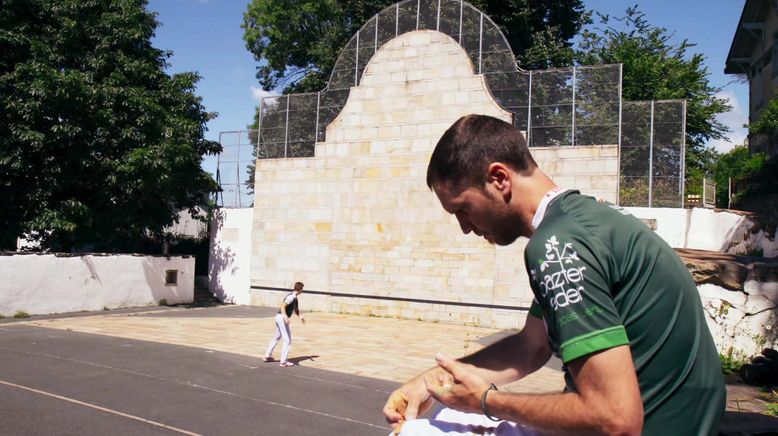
x=743, y=322
x=708, y=229
x=229, y=259
x=58, y=283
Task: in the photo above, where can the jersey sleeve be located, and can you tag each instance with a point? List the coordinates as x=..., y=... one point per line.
x=569, y=275
x=535, y=310
x=289, y=299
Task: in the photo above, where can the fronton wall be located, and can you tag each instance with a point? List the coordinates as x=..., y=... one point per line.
x=358, y=225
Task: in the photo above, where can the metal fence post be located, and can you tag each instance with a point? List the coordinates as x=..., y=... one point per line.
x=572, y=112
x=286, y=132
x=704, y=190
x=356, y=61
x=682, y=182
x=618, y=176
x=461, y=7
x=237, y=170
x=418, y=9
x=729, y=192
x=480, y=42
x=318, y=107
x=437, y=25
x=529, y=112
x=259, y=127
x=651, y=158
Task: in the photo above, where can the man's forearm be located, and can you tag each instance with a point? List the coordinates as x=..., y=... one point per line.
x=607, y=399
x=509, y=359
x=559, y=413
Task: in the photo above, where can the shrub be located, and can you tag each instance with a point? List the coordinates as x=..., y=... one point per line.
x=731, y=362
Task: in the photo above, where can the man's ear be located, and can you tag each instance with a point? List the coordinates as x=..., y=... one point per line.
x=499, y=176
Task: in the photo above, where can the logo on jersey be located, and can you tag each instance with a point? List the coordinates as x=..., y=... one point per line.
x=619, y=209
x=561, y=276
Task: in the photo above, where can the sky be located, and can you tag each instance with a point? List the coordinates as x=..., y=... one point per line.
x=205, y=36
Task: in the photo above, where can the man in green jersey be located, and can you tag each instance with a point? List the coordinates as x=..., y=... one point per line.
x=612, y=300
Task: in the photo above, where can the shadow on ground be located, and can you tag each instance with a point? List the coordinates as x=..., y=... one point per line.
x=747, y=424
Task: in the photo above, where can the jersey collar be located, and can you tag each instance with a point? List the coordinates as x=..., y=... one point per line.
x=547, y=199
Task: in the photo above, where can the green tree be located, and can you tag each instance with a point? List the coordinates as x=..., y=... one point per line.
x=768, y=122
x=736, y=164
x=99, y=147
x=297, y=43
x=656, y=69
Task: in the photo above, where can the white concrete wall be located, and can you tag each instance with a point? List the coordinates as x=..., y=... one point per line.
x=49, y=283
x=743, y=322
x=229, y=259
x=708, y=229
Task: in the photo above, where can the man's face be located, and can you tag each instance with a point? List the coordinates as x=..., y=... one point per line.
x=484, y=212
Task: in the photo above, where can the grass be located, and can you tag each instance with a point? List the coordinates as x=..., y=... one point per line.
x=21, y=314
x=770, y=396
x=731, y=362
x=163, y=302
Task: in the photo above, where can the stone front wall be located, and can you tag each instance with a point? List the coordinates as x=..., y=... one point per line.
x=357, y=222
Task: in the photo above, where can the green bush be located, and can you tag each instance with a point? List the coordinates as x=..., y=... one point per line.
x=772, y=409
x=731, y=362
x=21, y=314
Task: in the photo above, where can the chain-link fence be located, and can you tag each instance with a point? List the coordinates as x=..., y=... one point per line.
x=234, y=169
x=555, y=107
x=652, y=153
x=566, y=106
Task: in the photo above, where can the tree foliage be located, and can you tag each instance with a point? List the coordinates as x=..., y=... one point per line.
x=297, y=43
x=737, y=164
x=768, y=122
x=656, y=69
x=99, y=147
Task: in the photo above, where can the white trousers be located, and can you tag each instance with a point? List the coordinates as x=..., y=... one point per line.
x=450, y=422
x=282, y=331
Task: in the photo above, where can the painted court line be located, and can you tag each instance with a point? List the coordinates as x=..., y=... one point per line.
x=196, y=386
x=102, y=409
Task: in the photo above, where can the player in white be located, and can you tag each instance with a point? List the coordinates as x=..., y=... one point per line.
x=283, y=318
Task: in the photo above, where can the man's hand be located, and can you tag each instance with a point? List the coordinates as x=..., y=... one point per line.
x=286, y=319
x=302, y=319
x=460, y=390
x=407, y=402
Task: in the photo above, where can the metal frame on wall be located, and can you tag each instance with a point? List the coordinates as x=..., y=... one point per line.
x=572, y=106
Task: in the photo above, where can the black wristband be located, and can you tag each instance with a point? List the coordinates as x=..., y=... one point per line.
x=483, y=402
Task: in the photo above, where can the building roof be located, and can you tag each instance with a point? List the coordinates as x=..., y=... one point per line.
x=748, y=34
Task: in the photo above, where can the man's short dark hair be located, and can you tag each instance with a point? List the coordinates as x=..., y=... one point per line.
x=471, y=144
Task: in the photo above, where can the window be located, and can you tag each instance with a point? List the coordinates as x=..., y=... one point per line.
x=171, y=277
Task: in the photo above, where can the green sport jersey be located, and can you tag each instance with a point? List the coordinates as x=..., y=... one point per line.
x=602, y=279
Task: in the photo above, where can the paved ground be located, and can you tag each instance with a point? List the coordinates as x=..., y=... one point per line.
x=198, y=371
x=386, y=349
